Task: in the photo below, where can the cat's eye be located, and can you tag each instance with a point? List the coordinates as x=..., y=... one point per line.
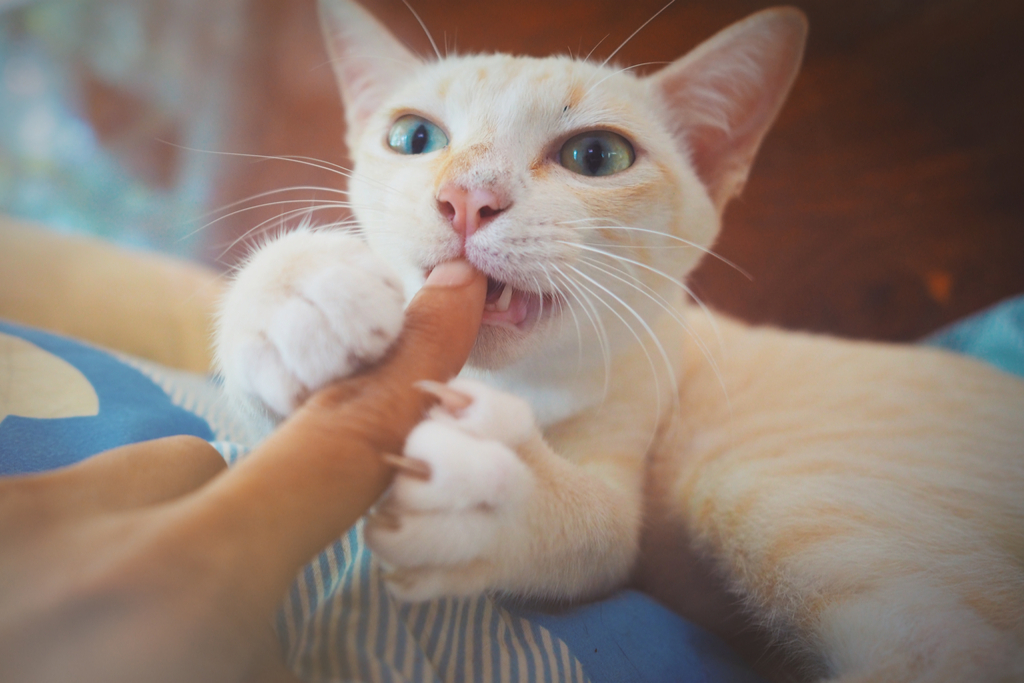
x=415, y=135
x=598, y=152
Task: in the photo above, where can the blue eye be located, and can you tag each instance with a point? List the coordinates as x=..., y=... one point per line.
x=415, y=135
x=598, y=152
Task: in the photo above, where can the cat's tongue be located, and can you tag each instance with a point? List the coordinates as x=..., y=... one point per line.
x=505, y=305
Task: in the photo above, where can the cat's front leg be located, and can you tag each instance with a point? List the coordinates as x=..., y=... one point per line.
x=306, y=309
x=499, y=511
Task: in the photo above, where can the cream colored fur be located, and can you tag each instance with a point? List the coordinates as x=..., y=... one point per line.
x=864, y=502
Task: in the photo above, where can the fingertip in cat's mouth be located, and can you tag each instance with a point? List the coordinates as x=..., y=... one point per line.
x=506, y=306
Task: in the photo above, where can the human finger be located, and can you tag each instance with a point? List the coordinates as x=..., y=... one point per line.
x=321, y=469
x=440, y=328
x=122, y=478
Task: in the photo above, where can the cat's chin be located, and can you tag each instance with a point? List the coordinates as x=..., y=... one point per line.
x=498, y=346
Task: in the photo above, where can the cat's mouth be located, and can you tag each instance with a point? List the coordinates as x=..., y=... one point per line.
x=507, y=306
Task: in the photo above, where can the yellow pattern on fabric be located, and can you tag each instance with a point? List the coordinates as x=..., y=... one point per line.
x=35, y=383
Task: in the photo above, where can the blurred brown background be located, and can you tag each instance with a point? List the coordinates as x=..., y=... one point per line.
x=888, y=200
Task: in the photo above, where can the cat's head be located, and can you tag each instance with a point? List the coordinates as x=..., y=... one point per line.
x=584, y=192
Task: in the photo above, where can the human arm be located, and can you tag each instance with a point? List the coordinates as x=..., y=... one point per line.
x=171, y=568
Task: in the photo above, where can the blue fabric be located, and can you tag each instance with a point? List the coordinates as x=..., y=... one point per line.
x=995, y=335
x=131, y=408
x=630, y=638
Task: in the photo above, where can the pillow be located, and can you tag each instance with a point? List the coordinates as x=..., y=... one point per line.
x=996, y=335
x=62, y=401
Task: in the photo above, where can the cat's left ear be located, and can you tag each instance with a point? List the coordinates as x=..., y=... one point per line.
x=368, y=61
x=724, y=95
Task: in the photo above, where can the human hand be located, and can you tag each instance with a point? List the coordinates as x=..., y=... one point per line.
x=152, y=563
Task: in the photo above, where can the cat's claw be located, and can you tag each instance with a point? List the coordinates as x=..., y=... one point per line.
x=450, y=399
x=446, y=535
x=426, y=583
x=309, y=308
x=410, y=467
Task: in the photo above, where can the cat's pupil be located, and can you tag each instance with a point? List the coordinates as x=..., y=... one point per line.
x=420, y=137
x=593, y=156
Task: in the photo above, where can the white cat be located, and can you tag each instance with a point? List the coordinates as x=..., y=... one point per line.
x=864, y=502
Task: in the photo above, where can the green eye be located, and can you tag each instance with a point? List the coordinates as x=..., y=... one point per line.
x=415, y=135
x=598, y=152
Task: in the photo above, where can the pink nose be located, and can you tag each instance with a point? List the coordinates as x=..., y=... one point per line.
x=469, y=210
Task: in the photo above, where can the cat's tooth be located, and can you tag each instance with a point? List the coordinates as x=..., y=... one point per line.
x=504, y=299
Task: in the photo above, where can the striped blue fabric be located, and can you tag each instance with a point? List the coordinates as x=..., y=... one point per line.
x=339, y=623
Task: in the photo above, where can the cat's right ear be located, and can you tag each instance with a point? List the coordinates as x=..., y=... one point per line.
x=368, y=61
x=724, y=95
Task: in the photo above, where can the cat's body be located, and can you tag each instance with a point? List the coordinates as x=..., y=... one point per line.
x=865, y=499
x=864, y=503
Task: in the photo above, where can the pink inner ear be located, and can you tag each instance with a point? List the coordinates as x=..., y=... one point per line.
x=368, y=61
x=724, y=96
x=363, y=88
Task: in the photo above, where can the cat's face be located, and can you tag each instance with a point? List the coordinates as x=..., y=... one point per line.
x=575, y=187
x=560, y=239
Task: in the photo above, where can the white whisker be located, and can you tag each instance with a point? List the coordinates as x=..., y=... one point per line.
x=268, y=193
x=684, y=242
x=352, y=226
x=666, y=276
x=561, y=315
x=597, y=45
x=312, y=206
x=667, y=307
x=622, y=70
x=636, y=283
x=260, y=195
x=425, y=30
x=259, y=232
x=540, y=295
x=647, y=328
x=312, y=162
x=588, y=308
x=580, y=220
x=633, y=34
x=643, y=347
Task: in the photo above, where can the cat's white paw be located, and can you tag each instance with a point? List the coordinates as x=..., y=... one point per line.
x=447, y=534
x=308, y=308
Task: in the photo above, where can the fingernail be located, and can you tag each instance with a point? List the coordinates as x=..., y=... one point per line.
x=451, y=274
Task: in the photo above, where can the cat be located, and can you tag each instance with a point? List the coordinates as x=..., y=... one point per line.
x=860, y=503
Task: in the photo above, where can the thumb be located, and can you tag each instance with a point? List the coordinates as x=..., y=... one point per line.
x=442, y=322
x=440, y=328
x=311, y=479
